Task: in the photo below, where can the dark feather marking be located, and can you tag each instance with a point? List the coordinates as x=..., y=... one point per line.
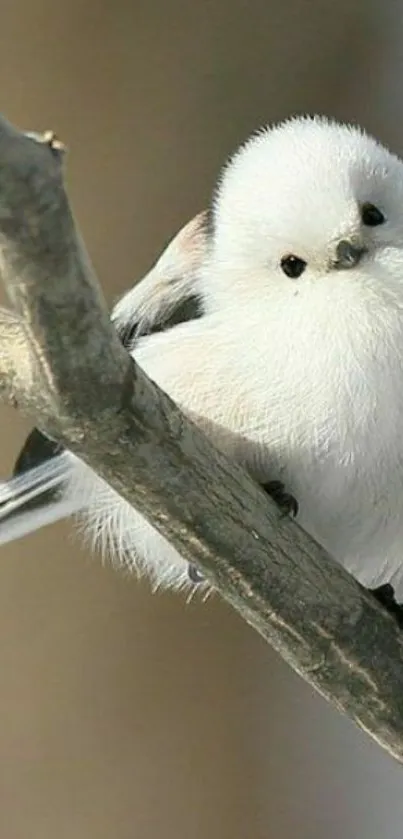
x=189, y=309
x=36, y=449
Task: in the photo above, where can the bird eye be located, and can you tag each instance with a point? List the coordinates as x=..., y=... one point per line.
x=371, y=216
x=293, y=266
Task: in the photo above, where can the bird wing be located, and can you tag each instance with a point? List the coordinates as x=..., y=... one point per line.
x=169, y=293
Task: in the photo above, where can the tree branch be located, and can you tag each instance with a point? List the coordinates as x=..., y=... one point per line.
x=62, y=363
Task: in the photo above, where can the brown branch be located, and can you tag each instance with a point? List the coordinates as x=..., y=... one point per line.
x=77, y=382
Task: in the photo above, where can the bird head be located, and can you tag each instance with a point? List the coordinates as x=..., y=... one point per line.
x=306, y=206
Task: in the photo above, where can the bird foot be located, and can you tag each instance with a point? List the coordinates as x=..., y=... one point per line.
x=194, y=575
x=287, y=504
x=385, y=595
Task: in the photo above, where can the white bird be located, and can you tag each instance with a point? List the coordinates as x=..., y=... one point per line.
x=292, y=360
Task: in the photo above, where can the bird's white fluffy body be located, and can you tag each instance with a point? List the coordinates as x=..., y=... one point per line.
x=299, y=379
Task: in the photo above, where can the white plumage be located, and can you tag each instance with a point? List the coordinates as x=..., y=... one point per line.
x=298, y=377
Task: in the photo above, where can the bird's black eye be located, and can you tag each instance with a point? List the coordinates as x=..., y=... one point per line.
x=293, y=266
x=371, y=216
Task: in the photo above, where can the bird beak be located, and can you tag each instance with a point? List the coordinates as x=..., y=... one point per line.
x=348, y=254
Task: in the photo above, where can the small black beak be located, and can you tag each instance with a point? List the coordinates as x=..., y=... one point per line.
x=348, y=254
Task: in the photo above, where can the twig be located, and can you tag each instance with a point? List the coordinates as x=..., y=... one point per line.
x=75, y=380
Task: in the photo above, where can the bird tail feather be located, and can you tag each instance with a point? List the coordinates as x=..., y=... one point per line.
x=34, y=498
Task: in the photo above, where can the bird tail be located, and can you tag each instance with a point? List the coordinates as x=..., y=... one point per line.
x=34, y=498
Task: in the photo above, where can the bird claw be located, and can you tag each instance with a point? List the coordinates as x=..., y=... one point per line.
x=194, y=575
x=287, y=504
x=385, y=595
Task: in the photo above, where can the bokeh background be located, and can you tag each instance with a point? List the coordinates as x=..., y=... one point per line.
x=124, y=714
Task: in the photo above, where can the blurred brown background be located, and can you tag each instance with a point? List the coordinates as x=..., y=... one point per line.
x=122, y=714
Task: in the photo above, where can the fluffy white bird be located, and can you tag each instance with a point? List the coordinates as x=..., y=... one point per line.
x=292, y=359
